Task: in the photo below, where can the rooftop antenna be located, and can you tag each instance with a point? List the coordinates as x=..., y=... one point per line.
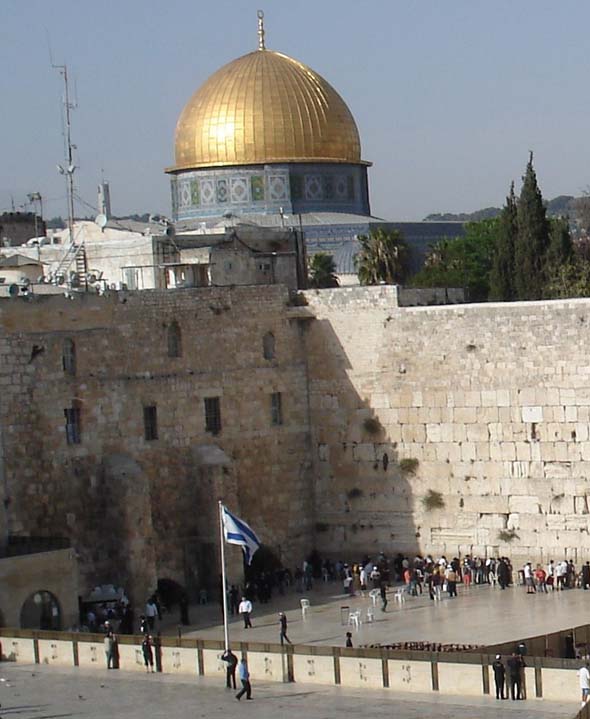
x=261, y=45
x=70, y=167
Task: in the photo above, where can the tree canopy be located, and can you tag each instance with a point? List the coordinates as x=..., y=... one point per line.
x=322, y=271
x=383, y=258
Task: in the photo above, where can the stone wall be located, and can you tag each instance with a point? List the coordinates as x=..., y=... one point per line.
x=489, y=406
x=136, y=509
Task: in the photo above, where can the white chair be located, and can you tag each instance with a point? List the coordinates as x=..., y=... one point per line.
x=304, y=607
x=354, y=618
x=400, y=594
x=374, y=594
x=370, y=616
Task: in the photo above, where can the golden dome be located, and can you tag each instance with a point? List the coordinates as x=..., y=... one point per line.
x=265, y=107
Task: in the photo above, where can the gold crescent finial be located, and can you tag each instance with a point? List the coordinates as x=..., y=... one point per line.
x=261, y=45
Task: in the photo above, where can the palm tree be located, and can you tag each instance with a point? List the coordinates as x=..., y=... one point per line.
x=322, y=271
x=383, y=258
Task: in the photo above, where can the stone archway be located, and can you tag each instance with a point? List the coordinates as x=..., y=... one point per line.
x=41, y=610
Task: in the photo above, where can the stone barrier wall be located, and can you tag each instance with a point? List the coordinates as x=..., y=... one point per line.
x=422, y=672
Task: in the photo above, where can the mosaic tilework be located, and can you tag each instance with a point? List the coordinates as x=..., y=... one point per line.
x=195, y=192
x=257, y=187
x=238, y=189
x=313, y=187
x=278, y=187
x=207, y=192
x=222, y=193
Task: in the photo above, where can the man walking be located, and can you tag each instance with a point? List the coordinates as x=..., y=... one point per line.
x=283, y=623
x=499, y=677
x=230, y=673
x=245, y=609
x=245, y=679
x=383, y=594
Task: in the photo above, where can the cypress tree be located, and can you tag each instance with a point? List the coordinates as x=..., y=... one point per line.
x=532, y=240
x=502, y=273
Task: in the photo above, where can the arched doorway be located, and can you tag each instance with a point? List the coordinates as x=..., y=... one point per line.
x=41, y=610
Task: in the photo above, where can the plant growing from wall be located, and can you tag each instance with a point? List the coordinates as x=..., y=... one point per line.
x=371, y=425
x=507, y=535
x=409, y=465
x=433, y=500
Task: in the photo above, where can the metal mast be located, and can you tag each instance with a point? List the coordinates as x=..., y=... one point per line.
x=70, y=168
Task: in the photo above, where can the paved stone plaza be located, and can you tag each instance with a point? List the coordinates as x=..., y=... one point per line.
x=40, y=692
x=480, y=615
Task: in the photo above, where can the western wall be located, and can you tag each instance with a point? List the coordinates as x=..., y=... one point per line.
x=486, y=407
x=440, y=429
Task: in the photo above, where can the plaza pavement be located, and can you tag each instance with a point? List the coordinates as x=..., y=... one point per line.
x=42, y=692
x=480, y=615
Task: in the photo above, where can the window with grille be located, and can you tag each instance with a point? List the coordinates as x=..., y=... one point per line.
x=212, y=415
x=276, y=408
x=150, y=423
x=68, y=356
x=73, y=425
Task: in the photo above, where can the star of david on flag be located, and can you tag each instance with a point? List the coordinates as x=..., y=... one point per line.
x=236, y=531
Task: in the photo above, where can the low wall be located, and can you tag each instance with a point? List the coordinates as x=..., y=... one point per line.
x=463, y=674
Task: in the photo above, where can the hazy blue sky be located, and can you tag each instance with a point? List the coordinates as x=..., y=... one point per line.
x=449, y=96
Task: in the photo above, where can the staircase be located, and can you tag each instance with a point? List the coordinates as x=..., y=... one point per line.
x=75, y=255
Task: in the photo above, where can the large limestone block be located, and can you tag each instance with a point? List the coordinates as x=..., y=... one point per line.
x=526, y=504
x=532, y=413
x=486, y=505
x=478, y=433
x=364, y=452
x=467, y=415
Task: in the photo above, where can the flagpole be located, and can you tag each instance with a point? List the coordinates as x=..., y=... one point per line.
x=223, y=579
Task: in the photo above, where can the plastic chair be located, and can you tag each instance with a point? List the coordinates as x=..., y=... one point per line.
x=400, y=594
x=304, y=607
x=370, y=616
x=374, y=594
x=355, y=618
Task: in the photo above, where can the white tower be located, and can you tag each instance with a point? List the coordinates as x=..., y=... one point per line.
x=104, y=199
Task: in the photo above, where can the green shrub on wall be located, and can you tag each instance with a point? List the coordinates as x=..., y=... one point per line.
x=433, y=500
x=409, y=465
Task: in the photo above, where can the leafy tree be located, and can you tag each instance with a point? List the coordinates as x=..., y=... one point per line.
x=570, y=279
x=322, y=271
x=560, y=248
x=532, y=240
x=463, y=261
x=502, y=273
x=383, y=257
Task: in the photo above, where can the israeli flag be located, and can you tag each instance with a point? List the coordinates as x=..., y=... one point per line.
x=236, y=531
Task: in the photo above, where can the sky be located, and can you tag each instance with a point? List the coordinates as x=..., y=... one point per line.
x=449, y=97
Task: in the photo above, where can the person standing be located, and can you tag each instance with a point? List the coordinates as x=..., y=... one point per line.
x=499, y=677
x=451, y=577
x=584, y=676
x=383, y=593
x=528, y=578
x=148, y=653
x=245, y=679
x=230, y=673
x=586, y=576
x=151, y=612
x=349, y=640
x=110, y=649
x=245, y=609
x=514, y=671
x=283, y=623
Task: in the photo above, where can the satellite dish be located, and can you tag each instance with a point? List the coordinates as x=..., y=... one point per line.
x=101, y=220
x=170, y=231
x=14, y=290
